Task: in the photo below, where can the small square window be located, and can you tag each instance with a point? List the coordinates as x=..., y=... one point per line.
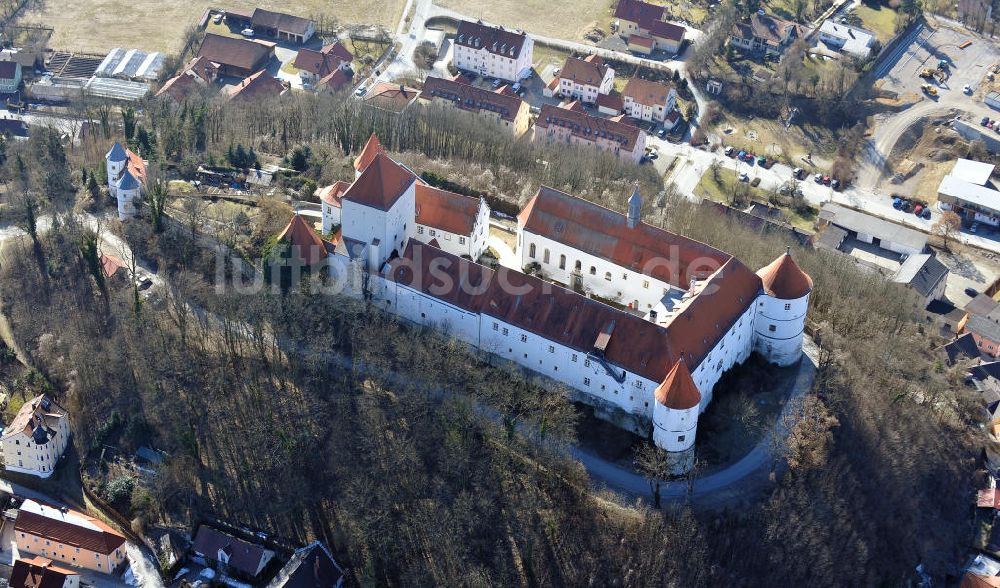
x=552, y=349
x=680, y=438
x=496, y=326
x=420, y=230
x=788, y=307
x=574, y=358
x=461, y=240
x=505, y=331
x=433, y=232
x=586, y=381
x=772, y=328
x=524, y=338
x=586, y=363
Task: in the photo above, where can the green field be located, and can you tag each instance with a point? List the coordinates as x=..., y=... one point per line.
x=880, y=20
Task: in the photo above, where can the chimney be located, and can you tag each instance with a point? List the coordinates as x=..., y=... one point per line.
x=652, y=316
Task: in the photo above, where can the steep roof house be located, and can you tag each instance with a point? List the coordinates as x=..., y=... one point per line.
x=68, y=537
x=311, y=566
x=248, y=559
x=763, y=33
x=36, y=438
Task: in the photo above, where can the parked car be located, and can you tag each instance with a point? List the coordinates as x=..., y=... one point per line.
x=217, y=19
x=247, y=32
x=142, y=282
x=761, y=160
x=360, y=91
x=653, y=153
x=728, y=151
x=755, y=182
x=797, y=173
x=897, y=203
x=835, y=184
x=971, y=292
x=516, y=87
x=918, y=209
x=661, y=133
x=967, y=89
x=818, y=178
x=741, y=154
x=496, y=84
x=926, y=214
x=744, y=177
x=906, y=206
x=826, y=180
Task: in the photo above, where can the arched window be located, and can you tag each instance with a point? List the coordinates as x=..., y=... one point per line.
x=607, y=276
x=579, y=265
x=562, y=262
x=531, y=251
x=545, y=256
x=593, y=271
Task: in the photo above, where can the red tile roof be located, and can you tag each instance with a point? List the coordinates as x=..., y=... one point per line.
x=641, y=41
x=641, y=13
x=179, y=87
x=783, y=279
x=587, y=127
x=322, y=62
x=238, y=53
x=588, y=71
x=612, y=101
x=667, y=30
x=496, y=40
x=390, y=96
x=38, y=410
x=303, y=240
x=381, y=184
x=258, y=86
x=335, y=81
x=333, y=193
x=203, y=68
x=372, y=148
x=58, y=526
x=988, y=498
x=38, y=572
x=647, y=92
x=472, y=98
x=110, y=265
x=448, y=211
x=136, y=166
x=678, y=390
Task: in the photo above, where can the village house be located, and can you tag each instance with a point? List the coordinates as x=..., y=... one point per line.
x=585, y=79
x=391, y=96
x=236, y=57
x=492, y=51
x=570, y=124
x=36, y=438
x=925, y=275
x=314, y=65
x=230, y=553
x=610, y=104
x=260, y=86
x=275, y=25
x=40, y=572
x=460, y=223
x=649, y=101
x=10, y=77
x=311, y=566
x=502, y=107
x=985, y=332
x=197, y=74
x=693, y=311
x=969, y=192
x=68, y=537
x=766, y=34
x=840, y=37
x=330, y=204
x=644, y=29
x=126, y=179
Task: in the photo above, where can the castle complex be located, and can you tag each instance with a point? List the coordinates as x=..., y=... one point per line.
x=638, y=322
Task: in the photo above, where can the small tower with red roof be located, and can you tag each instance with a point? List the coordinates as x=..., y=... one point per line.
x=781, y=310
x=372, y=148
x=675, y=412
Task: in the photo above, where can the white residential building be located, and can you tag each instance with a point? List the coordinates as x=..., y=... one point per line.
x=846, y=39
x=585, y=79
x=648, y=100
x=37, y=437
x=492, y=51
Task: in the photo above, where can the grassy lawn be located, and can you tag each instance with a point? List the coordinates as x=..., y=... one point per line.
x=880, y=20
x=771, y=138
x=154, y=25
x=289, y=67
x=564, y=20
x=729, y=184
x=544, y=55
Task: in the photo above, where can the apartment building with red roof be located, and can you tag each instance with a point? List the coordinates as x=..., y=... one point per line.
x=35, y=439
x=649, y=100
x=574, y=126
x=69, y=537
x=585, y=79
x=642, y=25
x=460, y=223
x=501, y=107
x=492, y=51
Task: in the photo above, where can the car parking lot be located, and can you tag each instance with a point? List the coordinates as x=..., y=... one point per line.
x=936, y=42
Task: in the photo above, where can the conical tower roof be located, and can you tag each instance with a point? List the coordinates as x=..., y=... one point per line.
x=127, y=181
x=298, y=234
x=372, y=148
x=784, y=279
x=117, y=153
x=678, y=390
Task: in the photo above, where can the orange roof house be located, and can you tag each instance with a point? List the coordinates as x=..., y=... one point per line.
x=784, y=279
x=381, y=183
x=448, y=211
x=372, y=148
x=258, y=86
x=333, y=193
x=678, y=390
x=303, y=240
x=40, y=572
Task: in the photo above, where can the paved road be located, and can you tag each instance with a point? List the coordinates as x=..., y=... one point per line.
x=731, y=484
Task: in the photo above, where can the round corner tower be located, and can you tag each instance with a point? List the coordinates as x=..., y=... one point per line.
x=675, y=412
x=115, y=160
x=781, y=310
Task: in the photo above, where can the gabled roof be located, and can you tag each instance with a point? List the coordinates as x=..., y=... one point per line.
x=372, y=148
x=587, y=71
x=448, y=211
x=280, y=21
x=921, y=272
x=471, y=98
x=962, y=347
x=179, y=87
x=311, y=566
x=243, y=556
x=983, y=327
x=667, y=30
x=336, y=80
x=322, y=62
x=8, y=69
x=338, y=50
x=588, y=128
x=496, y=40
x=782, y=278
x=303, y=240
x=678, y=390
x=333, y=193
x=39, y=410
x=381, y=183
x=768, y=28
x=239, y=53
x=612, y=101
x=647, y=92
x=66, y=526
x=203, y=68
x=257, y=86
x=390, y=96
x=38, y=572
x=641, y=13
x=110, y=265
x=117, y=153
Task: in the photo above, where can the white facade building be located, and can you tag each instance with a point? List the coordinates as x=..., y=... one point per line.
x=648, y=100
x=126, y=176
x=37, y=437
x=847, y=39
x=492, y=51
x=695, y=311
x=585, y=79
x=459, y=224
